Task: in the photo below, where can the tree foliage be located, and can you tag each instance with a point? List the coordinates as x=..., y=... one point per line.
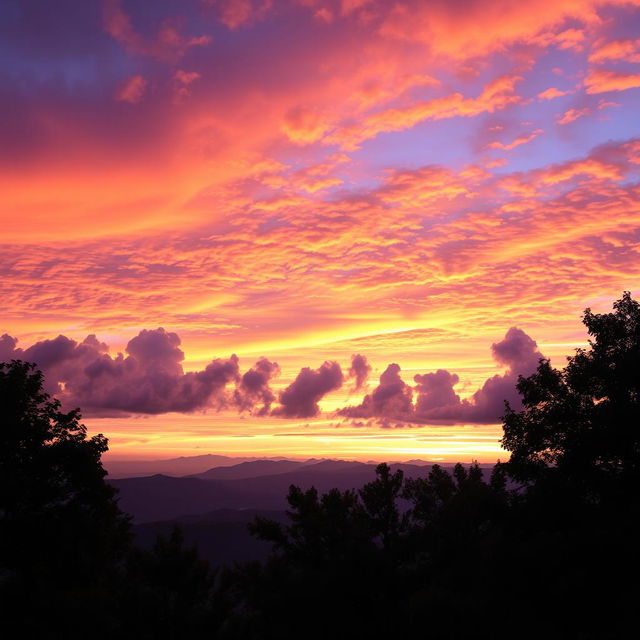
x=61, y=532
x=58, y=516
x=582, y=423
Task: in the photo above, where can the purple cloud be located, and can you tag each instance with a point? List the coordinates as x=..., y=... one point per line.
x=435, y=395
x=150, y=379
x=254, y=387
x=391, y=398
x=300, y=399
x=359, y=370
x=436, y=400
x=520, y=354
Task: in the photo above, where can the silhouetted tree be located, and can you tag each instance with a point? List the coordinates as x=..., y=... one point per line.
x=575, y=447
x=380, y=501
x=167, y=590
x=582, y=423
x=323, y=528
x=61, y=532
x=326, y=575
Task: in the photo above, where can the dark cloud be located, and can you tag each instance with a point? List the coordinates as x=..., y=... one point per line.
x=436, y=400
x=359, y=370
x=8, y=349
x=520, y=354
x=435, y=395
x=254, y=387
x=518, y=351
x=300, y=399
x=391, y=398
x=150, y=379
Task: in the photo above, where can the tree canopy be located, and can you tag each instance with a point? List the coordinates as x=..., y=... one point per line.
x=583, y=422
x=61, y=532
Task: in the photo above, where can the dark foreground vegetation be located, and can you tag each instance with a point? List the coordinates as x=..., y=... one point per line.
x=449, y=555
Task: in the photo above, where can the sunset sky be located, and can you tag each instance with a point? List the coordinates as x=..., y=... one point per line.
x=439, y=188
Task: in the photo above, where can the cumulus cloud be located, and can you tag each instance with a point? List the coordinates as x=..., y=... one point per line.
x=254, y=387
x=8, y=349
x=391, y=398
x=519, y=353
x=435, y=394
x=149, y=379
x=359, y=370
x=436, y=400
x=300, y=399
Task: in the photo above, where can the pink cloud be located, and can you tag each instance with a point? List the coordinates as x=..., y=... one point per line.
x=237, y=13
x=181, y=83
x=168, y=45
x=132, y=90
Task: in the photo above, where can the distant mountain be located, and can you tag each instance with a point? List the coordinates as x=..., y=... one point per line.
x=161, y=497
x=183, y=466
x=203, y=465
x=251, y=469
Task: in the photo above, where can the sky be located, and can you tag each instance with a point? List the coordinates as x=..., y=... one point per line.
x=337, y=228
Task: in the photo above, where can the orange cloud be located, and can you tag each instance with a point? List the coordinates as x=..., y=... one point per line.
x=520, y=140
x=570, y=115
x=415, y=188
x=304, y=125
x=497, y=95
x=551, y=93
x=601, y=80
x=626, y=50
x=483, y=28
x=591, y=167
